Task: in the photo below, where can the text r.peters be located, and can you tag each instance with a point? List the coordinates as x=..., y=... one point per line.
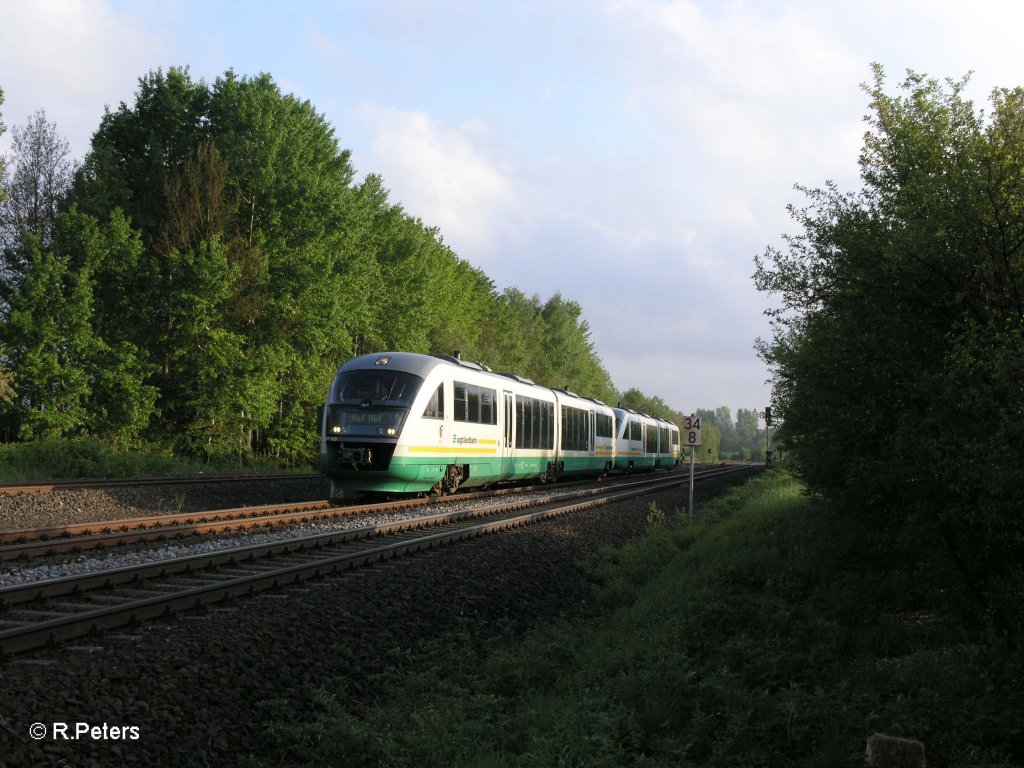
x=76, y=731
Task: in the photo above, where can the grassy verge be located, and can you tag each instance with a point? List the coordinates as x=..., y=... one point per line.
x=92, y=458
x=755, y=637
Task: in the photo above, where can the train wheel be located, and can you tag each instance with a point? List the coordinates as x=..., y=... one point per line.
x=453, y=477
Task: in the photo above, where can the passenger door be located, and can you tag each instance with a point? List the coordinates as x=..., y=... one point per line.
x=508, y=438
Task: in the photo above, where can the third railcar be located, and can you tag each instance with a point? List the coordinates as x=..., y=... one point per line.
x=398, y=422
x=644, y=442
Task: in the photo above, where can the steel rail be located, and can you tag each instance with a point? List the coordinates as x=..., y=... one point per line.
x=74, y=537
x=325, y=559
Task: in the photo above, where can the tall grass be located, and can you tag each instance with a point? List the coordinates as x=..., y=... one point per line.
x=753, y=637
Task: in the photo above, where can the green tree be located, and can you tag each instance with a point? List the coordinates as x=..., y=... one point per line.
x=68, y=379
x=513, y=333
x=461, y=298
x=746, y=425
x=749, y=437
x=38, y=182
x=711, y=443
x=570, y=357
x=49, y=341
x=653, y=405
x=424, y=298
x=901, y=325
x=547, y=342
x=250, y=283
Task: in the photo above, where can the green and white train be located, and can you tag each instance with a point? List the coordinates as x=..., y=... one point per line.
x=398, y=422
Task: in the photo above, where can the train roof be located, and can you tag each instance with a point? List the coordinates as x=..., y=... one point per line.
x=409, y=362
x=621, y=412
x=422, y=365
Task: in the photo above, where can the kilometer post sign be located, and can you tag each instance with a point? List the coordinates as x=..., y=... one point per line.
x=691, y=431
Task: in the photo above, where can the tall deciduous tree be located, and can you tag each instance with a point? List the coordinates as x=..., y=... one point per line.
x=243, y=200
x=39, y=178
x=50, y=337
x=898, y=349
x=68, y=379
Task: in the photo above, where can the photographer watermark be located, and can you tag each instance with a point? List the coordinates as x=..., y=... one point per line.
x=58, y=731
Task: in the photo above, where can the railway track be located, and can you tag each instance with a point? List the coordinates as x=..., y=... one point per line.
x=37, y=613
x=48, y=486
x=22, y=543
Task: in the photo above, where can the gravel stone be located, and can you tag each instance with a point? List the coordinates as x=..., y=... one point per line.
x=40, y=510
x=200, y=687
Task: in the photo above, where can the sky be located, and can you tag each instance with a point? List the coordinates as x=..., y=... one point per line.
x=633, y=155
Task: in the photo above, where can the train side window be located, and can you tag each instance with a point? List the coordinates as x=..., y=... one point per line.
x=488, y=410
x=460, y=401
x=473, y=412
x=475, y=404
x=522, y=422
x=575, y=434
x=651, y=439
x=435, y=406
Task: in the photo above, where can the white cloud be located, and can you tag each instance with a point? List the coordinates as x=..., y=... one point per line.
x=747, y=90
x=71, y=58
x=446, y=176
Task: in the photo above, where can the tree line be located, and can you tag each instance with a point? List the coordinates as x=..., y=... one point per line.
x=197, y=279
x=898, y=346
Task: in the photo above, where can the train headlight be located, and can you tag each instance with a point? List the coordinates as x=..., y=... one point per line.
x=336, y=429
x=392, y=431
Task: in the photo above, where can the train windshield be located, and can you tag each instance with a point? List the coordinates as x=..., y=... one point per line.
x=366, y=388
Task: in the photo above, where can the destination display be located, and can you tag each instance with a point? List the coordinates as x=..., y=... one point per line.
x=375, y=422
x=368, y=418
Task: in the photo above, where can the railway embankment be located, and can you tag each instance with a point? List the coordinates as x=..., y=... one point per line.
x=761, y=635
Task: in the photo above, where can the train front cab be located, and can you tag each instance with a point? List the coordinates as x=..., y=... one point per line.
x=455, y=424
x=370, y=405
